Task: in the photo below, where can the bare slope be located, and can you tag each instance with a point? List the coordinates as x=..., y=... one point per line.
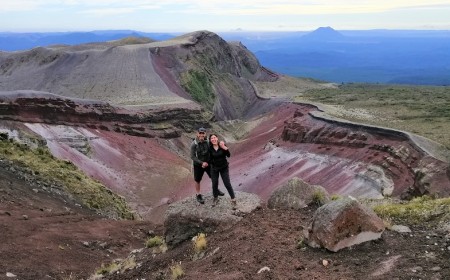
x=117, y=74
x=198, y=66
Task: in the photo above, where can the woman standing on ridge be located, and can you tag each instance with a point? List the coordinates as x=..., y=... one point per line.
x=219, y=165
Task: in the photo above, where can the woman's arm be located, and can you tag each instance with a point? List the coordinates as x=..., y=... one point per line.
x=224, y=148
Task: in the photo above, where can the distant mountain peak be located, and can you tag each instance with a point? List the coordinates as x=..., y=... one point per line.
x=325, y=29
x=324, y=34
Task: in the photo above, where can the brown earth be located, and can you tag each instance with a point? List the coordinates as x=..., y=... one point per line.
x=270, y=238
x=44, y=237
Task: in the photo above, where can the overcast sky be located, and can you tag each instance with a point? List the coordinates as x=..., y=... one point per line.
x=220, y=15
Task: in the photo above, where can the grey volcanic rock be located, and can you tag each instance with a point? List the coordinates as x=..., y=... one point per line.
x=119, y=75
x=343, y=223
x=186, y=218
x=297, y=194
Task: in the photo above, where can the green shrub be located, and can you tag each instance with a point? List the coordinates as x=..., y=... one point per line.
x=154, y=241
x=318, y=198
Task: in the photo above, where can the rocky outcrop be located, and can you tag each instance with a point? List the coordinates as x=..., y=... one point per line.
x=297, y=194
x=213, y=72
x=397, y=165
x=186, y=218
x=343, y=223
x=41, y=107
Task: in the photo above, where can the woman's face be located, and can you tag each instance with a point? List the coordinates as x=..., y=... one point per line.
x=214, y=139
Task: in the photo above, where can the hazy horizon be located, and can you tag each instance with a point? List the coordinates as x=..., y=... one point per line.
x=182, y=16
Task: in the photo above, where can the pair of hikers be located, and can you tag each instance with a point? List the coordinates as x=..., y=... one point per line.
x=210, y=156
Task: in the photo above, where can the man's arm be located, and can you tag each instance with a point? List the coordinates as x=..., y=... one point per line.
x=194, y=154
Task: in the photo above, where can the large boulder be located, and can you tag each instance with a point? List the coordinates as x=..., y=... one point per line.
x=343, y=223
x=186, y=218
x=297, y=194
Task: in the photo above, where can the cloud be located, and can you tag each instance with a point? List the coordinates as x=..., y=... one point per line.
x=108, y=11
x=231, y=7
x=319, y=7
x=12, y=6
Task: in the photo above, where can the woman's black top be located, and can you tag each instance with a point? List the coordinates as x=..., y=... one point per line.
x=218, y=159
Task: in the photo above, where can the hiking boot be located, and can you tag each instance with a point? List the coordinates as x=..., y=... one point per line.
x=200, y=199
x=233, y=204
x=221, y=193
x=215, y=201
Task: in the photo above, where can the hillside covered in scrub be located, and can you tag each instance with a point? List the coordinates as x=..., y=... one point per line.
x=103, y=130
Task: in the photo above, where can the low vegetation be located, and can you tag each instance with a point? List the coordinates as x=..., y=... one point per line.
x=418, y=211
x=200, y=243
x=154, y=241
x=176, y=271
x=41, y=164
x=116, y=266
x=319, y=198
x=157, y=244
x=423, y=110
x=198, y=85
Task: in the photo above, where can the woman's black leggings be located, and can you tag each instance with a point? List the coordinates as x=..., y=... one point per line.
x=225, y=174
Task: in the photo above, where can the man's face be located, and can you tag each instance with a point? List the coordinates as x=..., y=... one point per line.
x=201, y=136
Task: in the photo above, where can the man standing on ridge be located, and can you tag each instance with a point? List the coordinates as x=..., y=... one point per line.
x=200, y=159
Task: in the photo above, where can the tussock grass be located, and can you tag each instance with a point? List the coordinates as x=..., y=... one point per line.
x=176, y=271
x=115, y=266
x=200, y=243
x=48, y=169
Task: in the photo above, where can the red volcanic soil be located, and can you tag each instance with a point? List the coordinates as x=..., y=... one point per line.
x=44, y=237
x=270, y=238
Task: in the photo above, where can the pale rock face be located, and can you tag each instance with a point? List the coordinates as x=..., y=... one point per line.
x=343, y=223
x=375, y=175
